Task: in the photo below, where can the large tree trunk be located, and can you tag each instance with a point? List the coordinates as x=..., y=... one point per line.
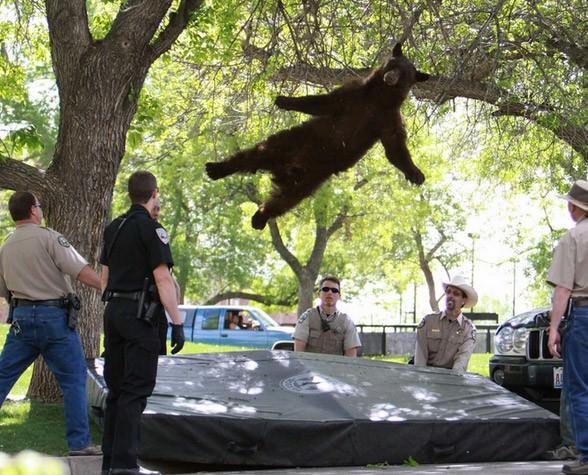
x=305, y=292
x=77, y=202
x=99, y=83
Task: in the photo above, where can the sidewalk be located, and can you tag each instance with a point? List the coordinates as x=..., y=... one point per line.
x=91, y=466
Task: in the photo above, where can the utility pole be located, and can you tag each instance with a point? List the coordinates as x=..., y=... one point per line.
x=514, y=286
x=473, y=237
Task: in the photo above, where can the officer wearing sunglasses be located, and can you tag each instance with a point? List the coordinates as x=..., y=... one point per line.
x=323, y=329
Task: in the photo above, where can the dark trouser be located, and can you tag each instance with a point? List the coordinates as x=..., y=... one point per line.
x=130, y=368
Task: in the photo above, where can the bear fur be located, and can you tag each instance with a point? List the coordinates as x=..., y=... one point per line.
x=347, y=123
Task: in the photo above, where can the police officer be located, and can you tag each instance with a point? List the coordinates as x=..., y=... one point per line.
x=447, y=339
x=34, y=261
x=569, y=276
x=323, y=329
x=136, y=260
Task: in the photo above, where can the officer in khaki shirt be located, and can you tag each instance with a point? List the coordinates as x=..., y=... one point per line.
x=324, y=329
x=34, y=262
x=568, y=275
x=447, y=339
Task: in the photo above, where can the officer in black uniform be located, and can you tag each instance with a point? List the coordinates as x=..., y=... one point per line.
x=136, y=279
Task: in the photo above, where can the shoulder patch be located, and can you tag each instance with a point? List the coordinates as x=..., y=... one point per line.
x=162, y=235
x=63, y=242
x=422, y=324
x=303, y=317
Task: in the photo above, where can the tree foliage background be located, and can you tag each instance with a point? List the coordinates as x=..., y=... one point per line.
x=505, y=110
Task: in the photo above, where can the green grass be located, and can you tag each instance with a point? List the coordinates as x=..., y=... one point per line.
x=27, y=424
x=478, y=362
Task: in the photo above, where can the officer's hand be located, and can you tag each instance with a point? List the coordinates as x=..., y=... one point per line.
x=554, y=342
x=177, y=338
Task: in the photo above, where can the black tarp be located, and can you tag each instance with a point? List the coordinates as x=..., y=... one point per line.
x=286, y=409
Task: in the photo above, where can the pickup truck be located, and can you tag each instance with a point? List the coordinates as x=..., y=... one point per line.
x=252, y=327
x=522, y=362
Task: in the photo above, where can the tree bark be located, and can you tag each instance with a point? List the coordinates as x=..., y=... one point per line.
x=99, y=83
x=306, y=274
x=424, y=260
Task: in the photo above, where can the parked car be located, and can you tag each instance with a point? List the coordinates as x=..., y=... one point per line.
x=251, y=326
x=522, y=362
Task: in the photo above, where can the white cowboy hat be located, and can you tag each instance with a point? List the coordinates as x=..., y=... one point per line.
x=578, y=195
x=459, y=282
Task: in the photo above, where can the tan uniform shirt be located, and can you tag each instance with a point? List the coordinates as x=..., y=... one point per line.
x=445, y=343
x=569, y=267
x=341, y=336
x=33, y=261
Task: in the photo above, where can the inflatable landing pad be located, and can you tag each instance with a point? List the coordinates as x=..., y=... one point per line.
x=285, y=409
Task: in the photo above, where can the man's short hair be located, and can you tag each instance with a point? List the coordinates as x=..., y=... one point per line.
x=142, y=184
x=20, y=204
x=330, y=278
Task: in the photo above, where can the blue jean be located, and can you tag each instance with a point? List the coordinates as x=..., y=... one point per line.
x=576, y=377
x=565, y=429
x=39, y=330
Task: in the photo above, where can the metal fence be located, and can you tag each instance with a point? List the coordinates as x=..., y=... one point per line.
x=370, y=333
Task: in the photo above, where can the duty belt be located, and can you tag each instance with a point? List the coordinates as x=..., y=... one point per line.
x=123, y=295
x=580, y=301
x=62, y=303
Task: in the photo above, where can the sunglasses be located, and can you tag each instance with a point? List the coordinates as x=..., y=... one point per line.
x=335, y=290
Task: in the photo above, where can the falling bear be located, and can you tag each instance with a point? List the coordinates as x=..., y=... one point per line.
x=347, y=123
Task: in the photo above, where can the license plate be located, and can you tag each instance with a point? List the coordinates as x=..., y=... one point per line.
x=557, y=378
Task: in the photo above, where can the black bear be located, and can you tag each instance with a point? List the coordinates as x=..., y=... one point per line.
x=348, y=122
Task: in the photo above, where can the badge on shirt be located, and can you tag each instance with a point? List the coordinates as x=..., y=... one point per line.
x=63, y=242
x=303, y=317
x=162, y=235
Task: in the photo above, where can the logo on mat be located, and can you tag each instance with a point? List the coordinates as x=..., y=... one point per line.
x=314, y=383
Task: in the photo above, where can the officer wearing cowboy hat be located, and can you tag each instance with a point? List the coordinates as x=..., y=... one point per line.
x=568, y=275
x=447, y=339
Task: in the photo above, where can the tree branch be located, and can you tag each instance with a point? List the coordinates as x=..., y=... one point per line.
x=69, y=36
x=17, y=175
x=433, y=250
x=336, y=224
x=282, y=250
x=440, y=89
x=248, y=296
x=177, y=23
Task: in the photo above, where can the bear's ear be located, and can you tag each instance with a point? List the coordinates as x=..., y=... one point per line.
x=420, y=77
x=397, y=51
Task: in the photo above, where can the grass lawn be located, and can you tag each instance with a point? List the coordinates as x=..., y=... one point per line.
x=478, y=362
x=30, y=425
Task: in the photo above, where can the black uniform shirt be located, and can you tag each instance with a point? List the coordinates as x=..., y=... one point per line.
x=142, y=245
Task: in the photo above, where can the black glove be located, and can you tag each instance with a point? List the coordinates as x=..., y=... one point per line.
x=177, y=338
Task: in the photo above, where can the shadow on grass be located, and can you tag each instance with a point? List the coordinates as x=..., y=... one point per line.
x=36, y=426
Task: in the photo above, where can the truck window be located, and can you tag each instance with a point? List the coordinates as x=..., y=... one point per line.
x=249, y=321
x=210, y=319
